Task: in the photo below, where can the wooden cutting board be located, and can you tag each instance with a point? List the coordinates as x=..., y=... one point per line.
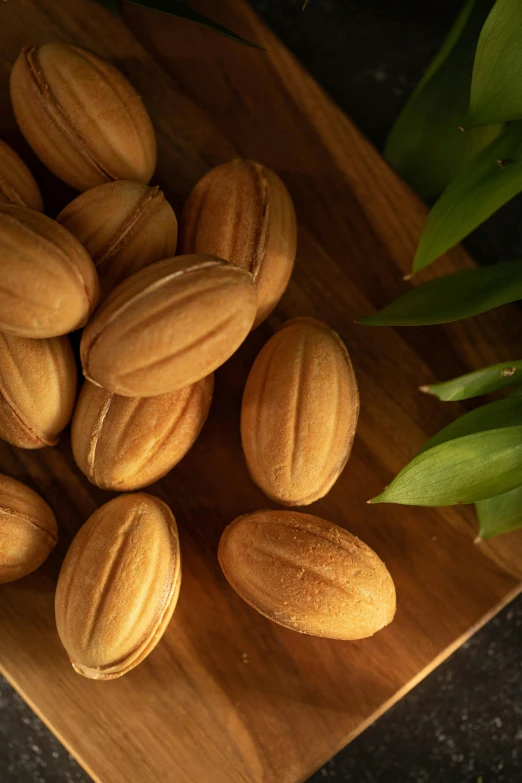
x=228, y=697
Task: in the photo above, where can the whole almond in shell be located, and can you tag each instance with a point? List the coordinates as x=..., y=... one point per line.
x=81, y=116
x=242, y=211
x=17, y=184
x=124, y=226
x=28, y=530
x=307, y=574
x=118, y=586
x=37, y=389
x=48, y=283
x=126, y=443
x=299, y=412
x=168, y=326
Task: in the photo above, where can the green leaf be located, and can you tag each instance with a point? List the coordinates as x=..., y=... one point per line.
x=463, y=470
x=425, y=144
x=473, y=384
x=484, y=184
x=182, y=9
x=500, y=514
x=494, y=415
x=453, y=297
x=496, y=95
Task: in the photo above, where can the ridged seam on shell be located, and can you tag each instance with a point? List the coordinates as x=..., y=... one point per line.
x=96, y=433
x=24, y=425
x=71, y=267
x=109, y=672
x=101, y=417
x=13, y=407
x=143, y=648
x=30, y=520
x=128, y=228
x=151, y=288
x=306, y=526
x=95, y=62
x=262, y=241
x=310, y=524
x=10, y=193
x=352, y=381
x=145, y=644
x=42, y=87
x=180, y=414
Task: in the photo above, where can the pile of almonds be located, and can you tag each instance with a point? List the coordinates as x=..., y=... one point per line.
x=156, y=326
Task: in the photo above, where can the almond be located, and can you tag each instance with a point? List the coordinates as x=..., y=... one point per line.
x=81, y=116
x=168, y=326
x=299, y=413
x=242, y=211
x=48, y=283
x=37, y=389
x=118, y=586
x=126, y=443
x=307, y=574
x=28, y=530
x=124, y=226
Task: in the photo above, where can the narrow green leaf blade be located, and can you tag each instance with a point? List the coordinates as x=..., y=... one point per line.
x=500, y=514
x=453, y=297
x=494, y=415
x=483, y=185
x=182, y=9
x=473, y=384
x=463, y=470
x=425, y=144
x=497, y=73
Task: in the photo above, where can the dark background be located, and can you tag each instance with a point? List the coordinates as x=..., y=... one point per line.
x=464, y=722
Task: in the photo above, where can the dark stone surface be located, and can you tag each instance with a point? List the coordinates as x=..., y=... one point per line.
x=464, y=722
x=461, y=724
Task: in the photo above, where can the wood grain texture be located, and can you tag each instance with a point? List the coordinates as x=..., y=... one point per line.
x=228, y=697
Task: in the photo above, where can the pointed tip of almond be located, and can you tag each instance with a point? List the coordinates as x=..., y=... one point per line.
x=425, y=389
x=407, y=277
x=478, y=540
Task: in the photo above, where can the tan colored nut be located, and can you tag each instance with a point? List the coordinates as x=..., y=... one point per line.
x=124, y=226
x=168, y=326
x=299, y=413
x=17, y=184
x=81, y=116
x=28, y=530
x=307, y=574
x=48, y=283
x=241, y=211
x=37, y=389
x=126, y=443
x=118, y=586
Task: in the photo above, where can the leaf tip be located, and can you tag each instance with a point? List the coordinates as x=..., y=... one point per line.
x=425, y=388
x=407, y=277
x=478, y=540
